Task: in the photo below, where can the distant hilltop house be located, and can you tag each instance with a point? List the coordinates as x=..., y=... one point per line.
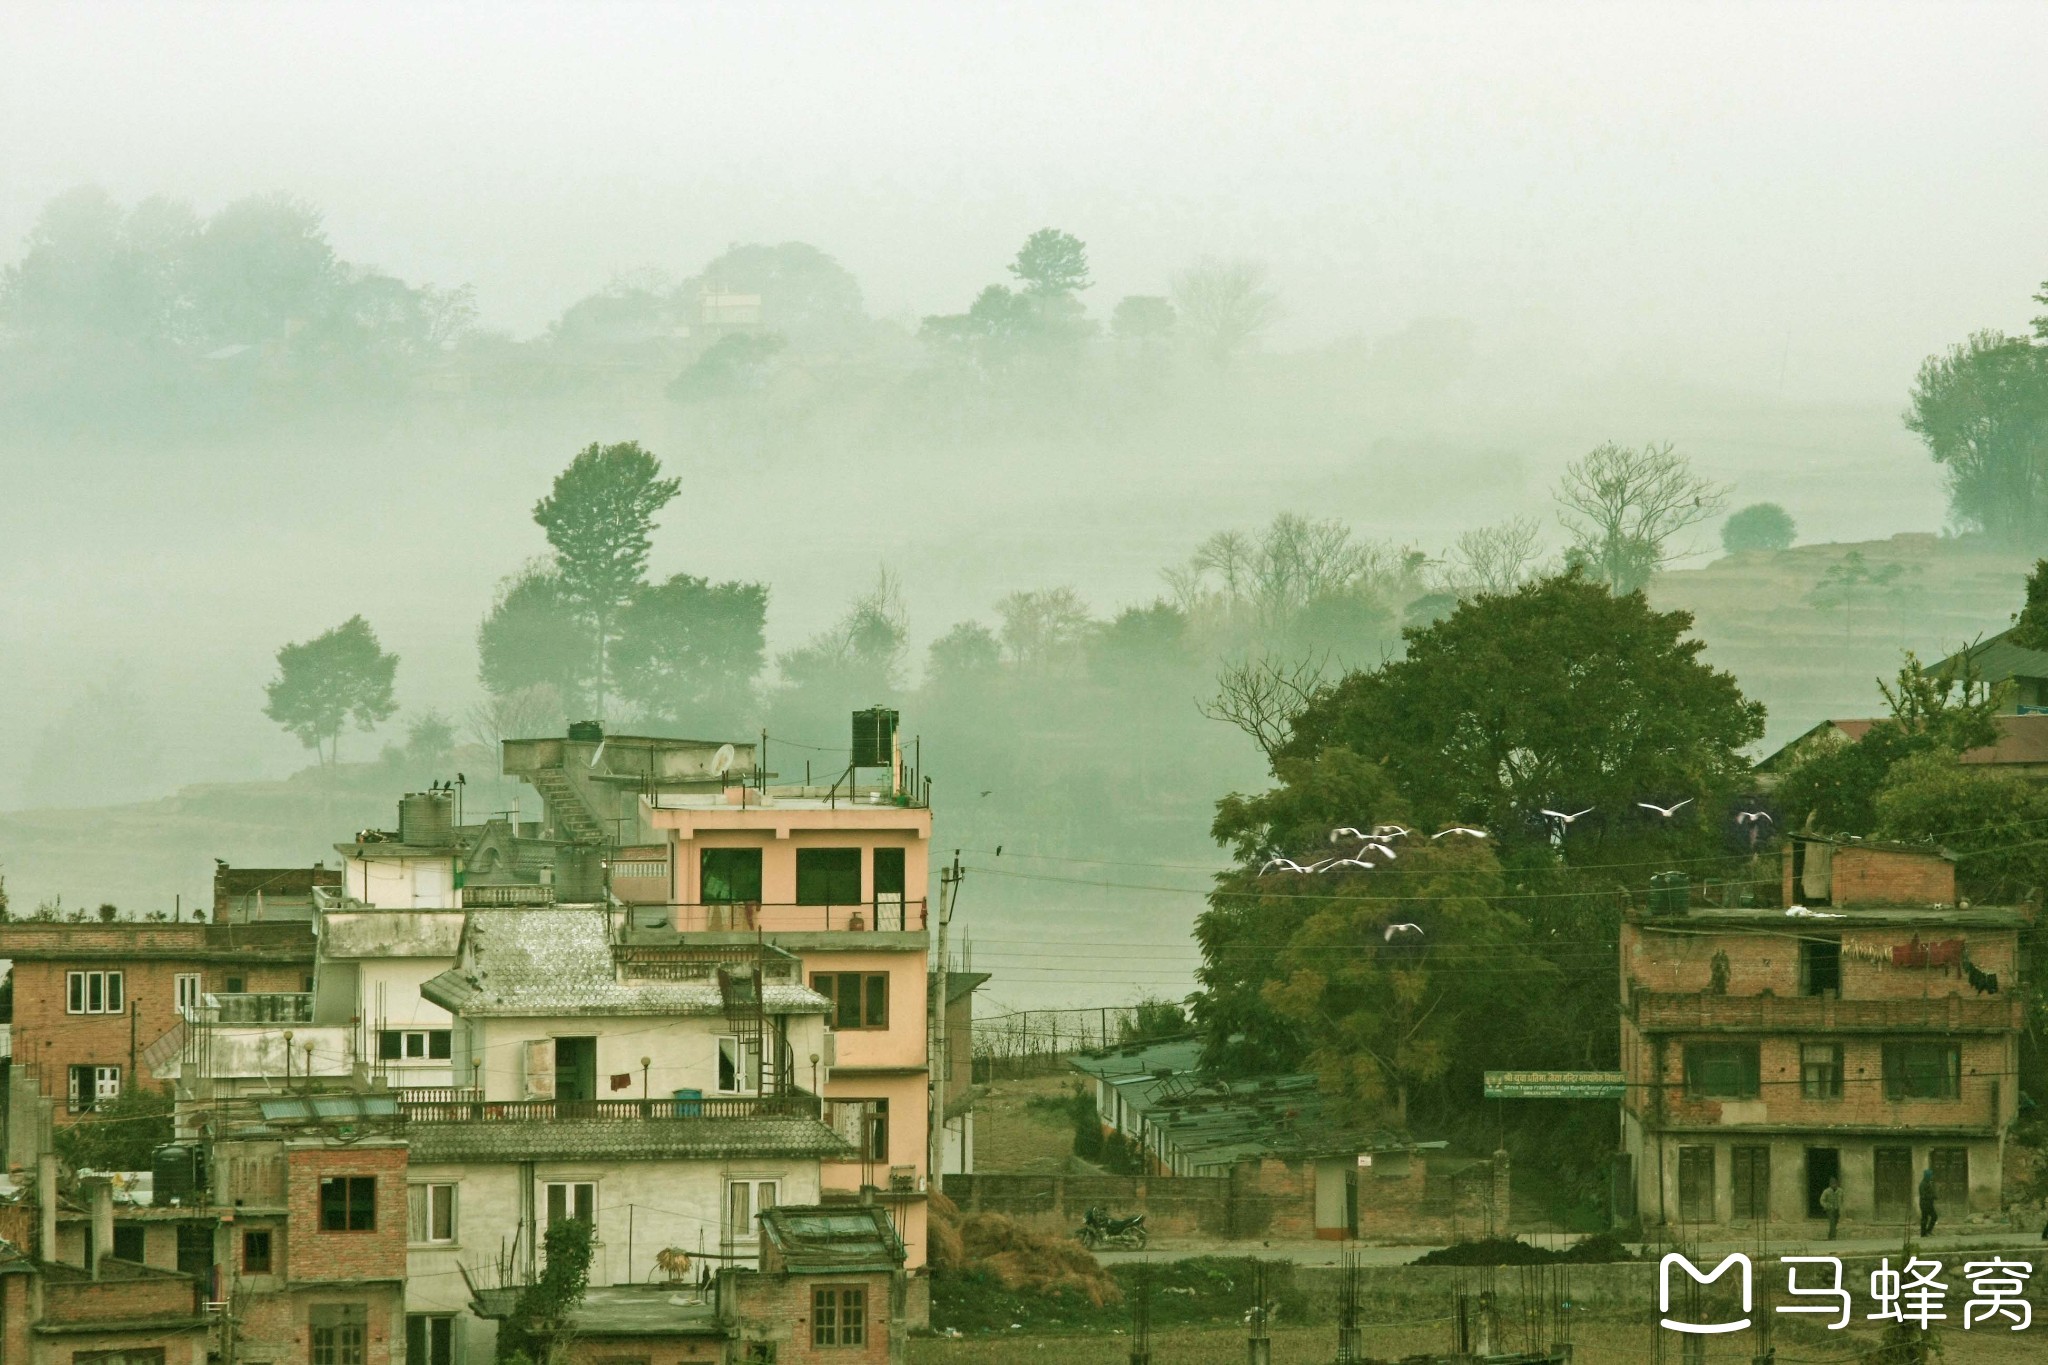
x=2022, y=744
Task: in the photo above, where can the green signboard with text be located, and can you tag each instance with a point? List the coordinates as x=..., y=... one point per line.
x=1554, y=1085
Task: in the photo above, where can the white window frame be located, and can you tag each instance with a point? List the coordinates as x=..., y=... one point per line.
x=94, y=992
x=759, y=1197
x=569, y=1201
x=422, y=1198
x=106, y=1086
x=189, y=987
x=742, y=1058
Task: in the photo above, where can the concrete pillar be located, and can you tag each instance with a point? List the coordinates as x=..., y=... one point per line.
x=101, y=1192
x=46, y=1206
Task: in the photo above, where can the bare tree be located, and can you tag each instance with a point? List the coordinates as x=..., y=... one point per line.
x=525, y=713
x=1261, y=695
x=1623, y=506
x=1494, y=560
x=1224, y=305
x=1042, y=625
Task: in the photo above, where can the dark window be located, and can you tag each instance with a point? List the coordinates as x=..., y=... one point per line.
x=256, y=1252
x=340, y=1333
x=1922, y=1071
x=1721, y=1071
x=875, y=1138
x=1696, y=1184
x=236, y=985
x=348, y=1203
x=129, y=1242
x=89, y=1087
x=429, y=1339
x=1820, y=966
x=1751, y=1179
x=859, y=999
x=888, y=872
x=1820, y=1071
x=413, y=1045
x=730, y=874
x=1951, y=1178
x=195, y=1249
x=575, y=1070
x=839, y=1316
x=828, y=876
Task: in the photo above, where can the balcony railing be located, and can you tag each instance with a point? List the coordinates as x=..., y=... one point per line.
x=471, y=1108
x=260, y=1007
x=889, y=915
x=1661, y=1012
x=695, y=962
x=490, y=897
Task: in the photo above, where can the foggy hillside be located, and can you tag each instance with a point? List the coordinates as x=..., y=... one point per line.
x=260, y=374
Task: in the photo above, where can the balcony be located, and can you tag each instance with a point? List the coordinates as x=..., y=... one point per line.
x=1661, y=1012
x=773, y=917
x=440, y=1105
x=702, y=962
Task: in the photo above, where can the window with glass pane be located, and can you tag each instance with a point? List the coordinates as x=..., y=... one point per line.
x=575, y=1199
x=1820, y=1071
x=839, y=1316
x=1721, y=1071
x=888, y=873
x=859, y=999
x=730, y=874
x=340, y=1333
x=430, y=1213
x=429, y=1339
x=1922, y=1071
x=739, y=1065
x=256, y=1251
x=348, y=1203
x=828, y=876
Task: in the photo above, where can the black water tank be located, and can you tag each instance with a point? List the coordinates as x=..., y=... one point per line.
x=586, y=731
x=178, y=1174
x=1670, y=893
x=874, y=738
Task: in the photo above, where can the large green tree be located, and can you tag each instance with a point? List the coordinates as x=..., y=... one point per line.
x=599, y=517
x=324, y=682
x=689, y=651
x=534, y=636
x=1981, y=407
x=1558, y=695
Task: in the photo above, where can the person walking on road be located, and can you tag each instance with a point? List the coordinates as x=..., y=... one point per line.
x=1928, y=1212
x=1831, y=1204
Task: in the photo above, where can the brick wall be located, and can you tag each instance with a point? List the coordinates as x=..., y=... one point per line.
x=1989, y=1095
x=1768, y=962
x=1863, y=875
x=1437, y=1198
x=316, y=1255
x=77, y=1301
x=777, y=1308
x=49, y=1039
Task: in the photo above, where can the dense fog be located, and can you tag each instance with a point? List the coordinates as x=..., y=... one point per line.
x=1040, y=364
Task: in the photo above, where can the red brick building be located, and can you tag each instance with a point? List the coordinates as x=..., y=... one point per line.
x=1769, y=1051
x=89, y=999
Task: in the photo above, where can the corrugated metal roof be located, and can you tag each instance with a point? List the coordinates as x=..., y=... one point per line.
x=826, y=1237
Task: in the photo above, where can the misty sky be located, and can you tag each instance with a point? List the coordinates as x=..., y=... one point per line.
x=1807, y=193
x=1788, y=203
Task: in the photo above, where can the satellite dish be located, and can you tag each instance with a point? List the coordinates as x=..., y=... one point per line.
x=721, y=762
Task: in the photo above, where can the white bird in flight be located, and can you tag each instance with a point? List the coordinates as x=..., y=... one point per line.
x=1462, y=829
x=1393, y=929
x=1560, y=816
x=1350, y=862
x=1282, y=865
x=1345, y=832
x=1389, y=831
x=1751, y=817
x=1666, y=811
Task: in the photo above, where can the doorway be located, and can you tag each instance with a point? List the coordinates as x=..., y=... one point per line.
x=575, y=1070
x=1823, y=1164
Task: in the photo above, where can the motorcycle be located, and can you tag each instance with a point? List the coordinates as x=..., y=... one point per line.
x=1099, y=1231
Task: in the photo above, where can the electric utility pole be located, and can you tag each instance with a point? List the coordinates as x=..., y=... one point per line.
x=949, y=892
